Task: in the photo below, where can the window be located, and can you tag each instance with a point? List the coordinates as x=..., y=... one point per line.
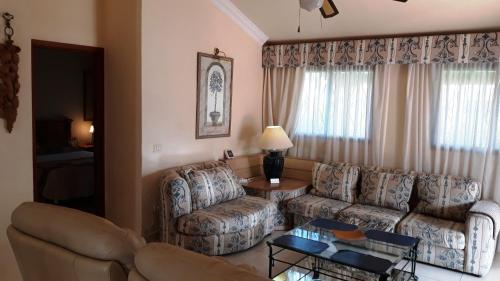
x=336, y=103
x=466, y=108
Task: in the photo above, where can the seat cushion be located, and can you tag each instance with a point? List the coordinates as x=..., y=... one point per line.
x=372, y=217
x=446, y=197
x=229, y=217
x=335, y=180
x=443, y=233
x=388, y=190
x=213, y=186
x=316, y=207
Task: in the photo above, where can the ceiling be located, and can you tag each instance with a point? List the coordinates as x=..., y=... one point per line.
x=278, y=19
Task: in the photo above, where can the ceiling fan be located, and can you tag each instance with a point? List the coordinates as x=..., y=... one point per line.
x=326, y=7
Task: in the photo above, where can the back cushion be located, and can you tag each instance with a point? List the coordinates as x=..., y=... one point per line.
x=213, y=186
x=336, y=181
x=446, y=197
x=388, y=190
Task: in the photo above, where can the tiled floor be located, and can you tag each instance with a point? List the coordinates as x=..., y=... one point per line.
x=257, y=257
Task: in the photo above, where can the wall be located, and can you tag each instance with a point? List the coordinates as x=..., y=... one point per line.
x=119, y=34
x=54, y=20
x=172, y=33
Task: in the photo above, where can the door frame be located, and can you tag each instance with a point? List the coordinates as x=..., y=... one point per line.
x=98, y=122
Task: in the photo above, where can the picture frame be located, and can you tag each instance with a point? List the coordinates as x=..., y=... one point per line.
x=214, y=96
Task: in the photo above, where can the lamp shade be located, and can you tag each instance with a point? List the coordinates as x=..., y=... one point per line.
x=274, y=138
x=91, y=130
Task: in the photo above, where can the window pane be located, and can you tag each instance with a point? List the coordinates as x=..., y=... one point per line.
x=466, y=106
x=336, y=103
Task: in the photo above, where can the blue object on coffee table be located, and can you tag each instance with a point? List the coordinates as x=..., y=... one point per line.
x=300, y=244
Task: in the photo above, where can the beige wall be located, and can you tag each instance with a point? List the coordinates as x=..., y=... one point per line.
x=55, y=20
x=172, y=33
x=119, y=34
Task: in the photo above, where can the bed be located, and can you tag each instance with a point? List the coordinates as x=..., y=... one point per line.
x=64, y=172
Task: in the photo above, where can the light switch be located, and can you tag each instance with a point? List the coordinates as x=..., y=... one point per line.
x=156, y=147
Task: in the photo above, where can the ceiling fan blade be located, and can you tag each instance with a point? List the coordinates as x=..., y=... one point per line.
x=401, y=0
x=329, y=9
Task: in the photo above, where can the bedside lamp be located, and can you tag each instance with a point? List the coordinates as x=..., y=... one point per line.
x=274, y=140
x=91, y=131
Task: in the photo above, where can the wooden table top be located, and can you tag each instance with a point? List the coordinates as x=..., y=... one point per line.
x=261, y=183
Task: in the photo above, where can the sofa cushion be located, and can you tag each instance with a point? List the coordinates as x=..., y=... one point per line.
x=335, y=180
x=213, y=186
x=443, y=233
x=372, y=217
x=389, y=190
x=446, y=197
x=316, y=207
x=228, y=217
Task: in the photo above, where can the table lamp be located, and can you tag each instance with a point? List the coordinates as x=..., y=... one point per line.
x=91, y=131
x=274, y=140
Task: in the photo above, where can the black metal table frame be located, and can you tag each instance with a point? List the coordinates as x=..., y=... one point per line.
x=316, y=270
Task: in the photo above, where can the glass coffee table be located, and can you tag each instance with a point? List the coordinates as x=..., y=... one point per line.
x=325, y=257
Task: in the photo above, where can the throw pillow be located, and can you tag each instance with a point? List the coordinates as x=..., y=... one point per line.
x=336, y=181
x=446, y=197
x=388, y=190
x=213, y=186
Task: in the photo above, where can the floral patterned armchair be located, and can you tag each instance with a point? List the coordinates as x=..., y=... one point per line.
x=205, y=209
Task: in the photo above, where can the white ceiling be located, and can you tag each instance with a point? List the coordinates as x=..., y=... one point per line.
x=278, y=19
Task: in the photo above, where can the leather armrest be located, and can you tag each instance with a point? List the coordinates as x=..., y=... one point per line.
x=158, y=260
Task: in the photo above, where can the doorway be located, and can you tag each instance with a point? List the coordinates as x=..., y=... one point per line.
x=68, y=125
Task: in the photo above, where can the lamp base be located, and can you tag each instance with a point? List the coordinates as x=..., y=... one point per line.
x=273, y=165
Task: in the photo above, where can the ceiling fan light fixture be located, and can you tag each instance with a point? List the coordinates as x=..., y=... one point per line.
x=310, y=5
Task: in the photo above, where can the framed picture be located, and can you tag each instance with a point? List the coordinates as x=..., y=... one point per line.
x=213, y=102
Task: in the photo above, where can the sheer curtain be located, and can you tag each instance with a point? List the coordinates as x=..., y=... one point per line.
x=451, y=122
x=330, y=113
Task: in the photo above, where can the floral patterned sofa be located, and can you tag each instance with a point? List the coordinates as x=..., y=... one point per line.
x=206, y=210
x=457, y=230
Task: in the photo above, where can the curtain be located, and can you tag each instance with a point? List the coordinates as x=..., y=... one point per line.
x=281, y=96
x=452, y=122
x=331, y=113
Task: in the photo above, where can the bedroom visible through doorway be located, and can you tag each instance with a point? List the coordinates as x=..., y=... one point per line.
x=68, y=125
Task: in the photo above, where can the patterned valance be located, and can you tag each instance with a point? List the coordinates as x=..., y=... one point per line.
x=457, y=48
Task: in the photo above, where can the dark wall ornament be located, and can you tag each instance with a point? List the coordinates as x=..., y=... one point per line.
x=9, y=77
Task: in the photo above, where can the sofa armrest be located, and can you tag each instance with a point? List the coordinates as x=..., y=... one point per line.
x=489, y=209
x=481, y=234
x=158, y=261
x=176, y=195
x=175, y=201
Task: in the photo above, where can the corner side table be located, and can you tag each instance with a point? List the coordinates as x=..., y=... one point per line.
x=280, y=194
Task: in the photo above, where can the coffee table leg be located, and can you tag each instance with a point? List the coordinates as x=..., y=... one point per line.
x=315, y=269
x=271, y=263
x=414, y=253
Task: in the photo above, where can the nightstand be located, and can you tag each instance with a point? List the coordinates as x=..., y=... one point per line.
x=280, y=194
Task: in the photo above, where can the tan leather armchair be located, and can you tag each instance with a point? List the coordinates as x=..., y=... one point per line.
x=161, y=261
x=56, y=243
